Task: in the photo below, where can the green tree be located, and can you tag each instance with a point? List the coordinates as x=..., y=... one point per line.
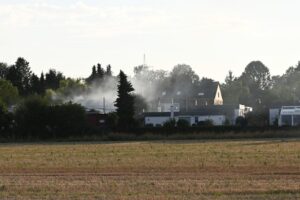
x=251, y=88
x=257, y=75
x=3, y=70
x=229, y=78
x=286, y=88
x=42, y=88
x=65, y=120
x=100, y=72
x=93, y=76
x=70, y=87
x=35, y=84
x=31, y=117
x=8, y=93
x=182, y=76
x=19, y=75
x=108, y=71
x=125, y=102
x=53, y=79
x=5, y=119
x=35, y=119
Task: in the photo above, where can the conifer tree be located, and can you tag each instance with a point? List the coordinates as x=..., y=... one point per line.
x=100, y=71
x=108, y=71
x=125, y=103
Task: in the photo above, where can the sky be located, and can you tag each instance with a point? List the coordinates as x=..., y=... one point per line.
x=213, y=36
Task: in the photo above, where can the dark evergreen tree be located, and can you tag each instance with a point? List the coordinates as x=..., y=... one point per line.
x=20, y=74
x=125, y=103
x=229, y=78
x=93, y=76
x=3, y=70
x=94, y=73
x=42, y=84
x=108, y=71
x=53, y=79
x=100, y=71
x=35, y=84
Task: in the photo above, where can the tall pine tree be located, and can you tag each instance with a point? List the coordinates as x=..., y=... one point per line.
x=108, y=71
x=100, y=71
x=125, y=103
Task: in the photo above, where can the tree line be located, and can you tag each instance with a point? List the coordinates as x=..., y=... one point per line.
x=34, y=97
x=39, y=113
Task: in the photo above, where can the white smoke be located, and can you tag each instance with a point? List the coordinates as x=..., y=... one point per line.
x=100, y=96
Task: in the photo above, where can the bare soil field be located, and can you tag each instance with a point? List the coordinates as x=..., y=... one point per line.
x=243, y=169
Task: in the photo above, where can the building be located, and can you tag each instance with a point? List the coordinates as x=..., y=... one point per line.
x=96, y=119
x=274, y=113
x=189, y=100
x=217, y=114
x=285, y=116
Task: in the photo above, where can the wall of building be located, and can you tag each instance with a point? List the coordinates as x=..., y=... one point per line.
x=218, y=120
x=273, y=115
x=156, y=120
x=286, y=115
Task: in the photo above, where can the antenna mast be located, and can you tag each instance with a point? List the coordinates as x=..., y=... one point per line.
x=144, y=60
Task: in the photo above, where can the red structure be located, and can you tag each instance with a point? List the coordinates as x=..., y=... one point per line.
x=97, y=119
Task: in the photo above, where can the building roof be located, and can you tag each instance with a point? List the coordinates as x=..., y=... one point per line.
x=207, y=92
x=201, y=92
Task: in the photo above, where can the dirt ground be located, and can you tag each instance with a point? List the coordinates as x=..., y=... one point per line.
x=244, y=169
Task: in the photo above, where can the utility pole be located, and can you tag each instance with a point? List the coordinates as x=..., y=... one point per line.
x=104, y=109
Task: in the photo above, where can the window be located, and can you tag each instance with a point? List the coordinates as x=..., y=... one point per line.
x=296, y=120
x=286, y=120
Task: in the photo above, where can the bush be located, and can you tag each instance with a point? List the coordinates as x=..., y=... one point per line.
x=182, y=123
x=206, y=123
x=149, y=125
x=5, y=119
x=112, y=121
x=65, y=120
x=36, y=119
x=226, y=122
x=31, y=117
x=171, y=123
x=240, y=121
x=258, y=118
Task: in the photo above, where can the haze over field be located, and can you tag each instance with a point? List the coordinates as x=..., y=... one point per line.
x=210, y=35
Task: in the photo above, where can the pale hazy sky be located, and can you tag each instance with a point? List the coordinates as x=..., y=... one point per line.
x=212, y=36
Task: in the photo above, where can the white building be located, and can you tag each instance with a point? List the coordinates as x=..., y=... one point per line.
x=289, y=116
x=274, y=116
x=285, y=116
x=217, y=114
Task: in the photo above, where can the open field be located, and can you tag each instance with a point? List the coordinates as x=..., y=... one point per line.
x=244, y=169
